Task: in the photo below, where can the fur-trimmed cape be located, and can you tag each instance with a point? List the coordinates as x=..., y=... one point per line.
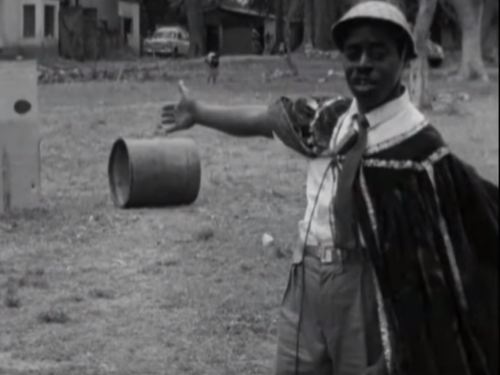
x=430, y=225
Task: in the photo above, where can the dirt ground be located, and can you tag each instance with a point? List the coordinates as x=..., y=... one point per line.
x=89, y=289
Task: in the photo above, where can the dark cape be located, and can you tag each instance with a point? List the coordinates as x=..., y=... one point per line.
x=430, y=226
x=430, y=223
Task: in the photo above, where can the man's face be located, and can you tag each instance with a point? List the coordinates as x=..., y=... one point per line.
x=372, y=63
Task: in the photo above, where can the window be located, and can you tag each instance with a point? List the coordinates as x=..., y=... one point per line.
x=49, y=21
x=127, y=25
x=29, y=20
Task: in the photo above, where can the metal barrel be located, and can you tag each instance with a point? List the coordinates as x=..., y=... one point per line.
x=155, y=172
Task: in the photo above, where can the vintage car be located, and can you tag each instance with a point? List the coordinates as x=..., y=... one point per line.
x=168, y=41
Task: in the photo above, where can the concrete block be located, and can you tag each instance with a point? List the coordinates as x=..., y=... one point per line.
x=19, y=136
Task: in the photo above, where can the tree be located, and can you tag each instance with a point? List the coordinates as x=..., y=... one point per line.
x=469, y=15
x=324, y=17
x=279, y=33
x=276, y=7
x=308, y=24
x=196, y=24
x=489, y=30
x=419, y=77
x=295, y=6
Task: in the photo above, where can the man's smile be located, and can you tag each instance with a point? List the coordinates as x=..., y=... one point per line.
x=363, y=84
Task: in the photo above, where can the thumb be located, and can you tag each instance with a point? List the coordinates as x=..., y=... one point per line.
x=183, y=89
x=166, y=129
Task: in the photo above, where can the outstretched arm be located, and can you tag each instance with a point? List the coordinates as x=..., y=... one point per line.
x=240, y=121
x=305, y=125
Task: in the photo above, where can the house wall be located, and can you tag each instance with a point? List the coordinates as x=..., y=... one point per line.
x=132, y=10
x=270, y=28
x=107, y=10
x=237, y=41
x=2, y=36
x=11, y=26
x=228, y=19
x=235, y=30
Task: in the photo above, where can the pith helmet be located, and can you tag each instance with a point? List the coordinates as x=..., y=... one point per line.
x=375, y=10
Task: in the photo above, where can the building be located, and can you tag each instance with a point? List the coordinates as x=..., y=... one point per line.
x=29, y=26
x=106, y=10
x=129, y=13
x=115, y=17
x=233, y=28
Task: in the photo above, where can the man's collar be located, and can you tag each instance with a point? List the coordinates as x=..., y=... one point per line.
x=385, y=112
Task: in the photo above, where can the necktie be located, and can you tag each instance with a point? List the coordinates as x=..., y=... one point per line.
x=343, y=202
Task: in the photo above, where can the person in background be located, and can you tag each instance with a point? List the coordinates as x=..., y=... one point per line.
x=212, y=62
x=257, y=46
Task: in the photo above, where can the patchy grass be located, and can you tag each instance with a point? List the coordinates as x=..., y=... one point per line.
x=34, y=278
x=181, y=291
x=11, y=298
x=55, y=315
x=100, y=293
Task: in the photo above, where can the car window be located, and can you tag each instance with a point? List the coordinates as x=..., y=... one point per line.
x=164, y=34
x=160, y=35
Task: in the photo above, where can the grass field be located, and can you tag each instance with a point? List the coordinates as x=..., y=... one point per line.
x=89, y=289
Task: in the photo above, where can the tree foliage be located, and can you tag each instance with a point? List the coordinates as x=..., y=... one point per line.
x=419, y=76
x=319, y=15
x=470, y=16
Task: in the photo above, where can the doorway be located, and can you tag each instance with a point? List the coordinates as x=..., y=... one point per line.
x=213, y=39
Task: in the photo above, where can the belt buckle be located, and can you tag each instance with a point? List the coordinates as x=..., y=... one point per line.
x=331, y=254
x=327, y=254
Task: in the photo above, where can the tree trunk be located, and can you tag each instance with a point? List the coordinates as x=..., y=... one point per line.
x=470, y=14
x=280, y=25
x=196, y=25
x=293, y=10
x=489, y=29
x=308, y=40
x=419, y=76
x=324, y=17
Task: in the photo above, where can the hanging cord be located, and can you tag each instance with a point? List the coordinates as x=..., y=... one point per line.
x=346, y=143
x=302, y=292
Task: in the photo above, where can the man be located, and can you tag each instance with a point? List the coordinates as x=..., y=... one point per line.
x=212, y=62
x=383, y=190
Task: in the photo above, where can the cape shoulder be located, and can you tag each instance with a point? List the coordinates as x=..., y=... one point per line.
x=416, y=147
x=427, y=151
x=306, y=124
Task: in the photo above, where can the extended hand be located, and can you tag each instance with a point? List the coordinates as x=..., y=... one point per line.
x=180, y=116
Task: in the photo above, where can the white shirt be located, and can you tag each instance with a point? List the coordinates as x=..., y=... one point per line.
x=389, y=125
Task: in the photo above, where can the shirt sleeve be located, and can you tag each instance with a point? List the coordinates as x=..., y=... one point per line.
x=306, y=124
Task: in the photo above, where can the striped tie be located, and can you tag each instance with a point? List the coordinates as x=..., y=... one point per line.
x=343, y=210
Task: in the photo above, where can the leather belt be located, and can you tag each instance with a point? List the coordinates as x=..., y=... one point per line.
x=328, y=254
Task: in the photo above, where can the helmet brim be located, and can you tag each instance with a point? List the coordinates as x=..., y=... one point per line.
x=340, y=30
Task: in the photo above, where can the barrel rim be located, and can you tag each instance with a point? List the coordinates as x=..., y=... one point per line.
x=134, y=147
x=195, y=159
x=122, y=203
